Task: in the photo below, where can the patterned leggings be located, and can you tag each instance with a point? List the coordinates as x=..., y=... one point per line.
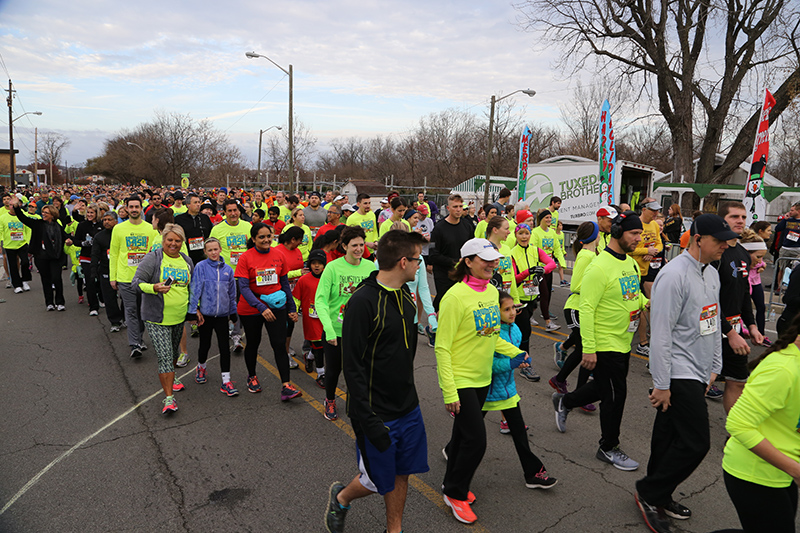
x=167, y=343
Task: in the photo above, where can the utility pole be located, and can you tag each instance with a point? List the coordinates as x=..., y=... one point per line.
x=36, y=155
x=12, y=169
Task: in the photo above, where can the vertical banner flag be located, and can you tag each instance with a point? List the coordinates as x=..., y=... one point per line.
x=607, y=155
x=524, y=153
x=754, y=201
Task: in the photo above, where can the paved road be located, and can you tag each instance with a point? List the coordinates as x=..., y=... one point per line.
x=84, y=446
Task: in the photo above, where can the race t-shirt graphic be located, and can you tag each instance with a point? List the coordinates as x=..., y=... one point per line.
x=236, y=242
x=368, y=225
x=137, y=248
x=349, y=284
x=180, y=275
x=548, y=245
x=629, y=285
x=487, y=320
x=503, y=270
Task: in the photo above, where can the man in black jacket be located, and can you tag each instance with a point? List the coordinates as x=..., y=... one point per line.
x=379, y=345
x=196, y=226
x=99, y=269
x=447, y=238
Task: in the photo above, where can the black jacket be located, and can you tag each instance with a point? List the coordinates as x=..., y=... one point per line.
x=734, y=291
x=193, y=227
x=47, y=238
x=100, y=246
x=446, y=242
x=379, y=343
x=84, y=235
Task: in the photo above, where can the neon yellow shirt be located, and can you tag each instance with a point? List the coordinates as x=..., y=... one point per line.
x=233, y=240
x=505, y=268
x=610, y=304
x=176, y=300
x=285, y=214
x=387, y=225
x=582, y=262
x=178, y=210
x=13, y=233
x=337, y=283
x=129, y=244
x=307, y=242
x=467, y=337
x=546, y=240
x=367, y=222
x=480, y=229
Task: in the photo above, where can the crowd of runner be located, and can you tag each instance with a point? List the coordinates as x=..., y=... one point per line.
x=194, y=262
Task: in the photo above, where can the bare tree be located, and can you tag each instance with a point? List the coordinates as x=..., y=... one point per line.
x=660, y=45
x=277, y=152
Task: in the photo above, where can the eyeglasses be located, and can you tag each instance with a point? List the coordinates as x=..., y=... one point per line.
x=417, y=259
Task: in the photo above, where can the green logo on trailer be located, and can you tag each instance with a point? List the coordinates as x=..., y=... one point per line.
x=538, y=192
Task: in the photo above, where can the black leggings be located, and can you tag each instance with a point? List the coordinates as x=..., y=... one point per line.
x=761, y=309
x=333, y=359
x=318, y=350
x=763, y=508
x=276, y=330
x=467, y=443
x=523, y=322
x=218, y=325
x=52, y=283
x=544, y=295
x=574, y=359
x=531, y=465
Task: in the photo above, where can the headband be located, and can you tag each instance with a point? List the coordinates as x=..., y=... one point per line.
x=593, y=236
x=522, y=226
x=754, y=246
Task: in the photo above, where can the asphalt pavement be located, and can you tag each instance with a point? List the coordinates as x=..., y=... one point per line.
x=85, y=447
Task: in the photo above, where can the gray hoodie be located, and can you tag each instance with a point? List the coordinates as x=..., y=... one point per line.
x=682, y=291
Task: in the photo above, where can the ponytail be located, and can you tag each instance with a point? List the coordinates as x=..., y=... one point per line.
x=788, y=337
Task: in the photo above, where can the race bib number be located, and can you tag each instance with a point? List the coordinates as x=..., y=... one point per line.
x=793, y=236
x=735, y=322
x=708, y=320
x=235, y=257
x=341, y=314
x=507, y=286
x=196, y=243
x=266, y=276
x=529, y=288
x=17, y=236
x=656, y=263
x=134, y=258
x=634, y=318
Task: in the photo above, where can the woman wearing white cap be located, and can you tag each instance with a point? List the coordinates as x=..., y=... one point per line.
x=468, y=336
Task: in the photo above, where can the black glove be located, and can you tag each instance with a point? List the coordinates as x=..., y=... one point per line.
x=233, y=318
x=538, y=270
x=381, y=441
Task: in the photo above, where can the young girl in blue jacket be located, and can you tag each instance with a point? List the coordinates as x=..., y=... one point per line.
x=214, y=302
x=503, y=397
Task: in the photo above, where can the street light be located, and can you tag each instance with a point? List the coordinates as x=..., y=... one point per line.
x=134, y=144
x=260, y=133
x=12, y=169
x=253, y=55
x=487, y=178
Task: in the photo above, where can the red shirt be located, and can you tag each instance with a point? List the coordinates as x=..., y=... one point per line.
x=278, y=225
x=293, y=260
x=326, y=228
x=264, y=271
x=305, y=291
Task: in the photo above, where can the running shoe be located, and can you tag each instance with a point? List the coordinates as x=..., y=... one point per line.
x=714, y=393
x=291, y=352
x=552, y=326
x=559, y=355
x=136, y=352
x=51, y=307
x=253, y=385
x=25, y=286
x=564, y=283
x=8, y=284
x=561, y=411
x=559, y=386
x=677, y=511
x=589, y=408
x=618, y=458
x=504, y=427
x=766, y=342
x=336, y=512
x=237, y=343
x=541, y=481
x=309, y=357
x=288, y=392
x=553, y=316
x=60, y=308
x=80, y=299
x=102, y=305
x=470, y=495
x=321, y=381
x=194, y=330
x=183, y=360
x=93, y=312
x=330, y=409
x=177, y=386
x=143, y=347
x=170, y=405
x=643, y=349
x=292, y=363
x=431, y=337
x=115, y=328
x=534, y=322
x=200, y=375
x=461, y=510
x=654, y=517
x=445, y=455
x=529, y=373
x=18, y=290
x=420, y=329
x=229, y=389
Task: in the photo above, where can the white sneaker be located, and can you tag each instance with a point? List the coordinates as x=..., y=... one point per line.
x=534, y=322
x=8, y=284
x=552, y=326
x=183, y=360
x=18, y=290
x=237, y=343
x=102, y=305
x=25, y=286
x=61, y=308
x=92, y=313
x=292, y=363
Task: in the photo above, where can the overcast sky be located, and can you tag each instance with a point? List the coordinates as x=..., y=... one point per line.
x=361, y=67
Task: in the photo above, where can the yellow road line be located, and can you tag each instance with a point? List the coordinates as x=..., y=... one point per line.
x=423, y=488
x=553, y=332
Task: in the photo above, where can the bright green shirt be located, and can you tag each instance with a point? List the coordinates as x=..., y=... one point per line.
x=610, y=304
x=13, y=233
x=233, y=240
x=176, y=300
x=526, y=258
x=387, y=225
x=480, y=229
x=129, y=244
x=467, y=337
x=505, y=267
x=546, y=240
x=582, y=262
x=554, y=216
x=337, y=283
x=178, y=210
x=306, y=243
x=285, y=214
x=367, y=222
x=769, y=408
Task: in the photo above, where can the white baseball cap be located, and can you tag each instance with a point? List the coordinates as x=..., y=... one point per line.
x=482, y=248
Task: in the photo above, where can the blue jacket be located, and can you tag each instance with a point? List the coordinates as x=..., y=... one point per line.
x=503, y=386
x=213, y=288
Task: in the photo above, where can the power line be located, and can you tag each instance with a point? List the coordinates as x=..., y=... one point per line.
x=3, y=64
x=254, y=105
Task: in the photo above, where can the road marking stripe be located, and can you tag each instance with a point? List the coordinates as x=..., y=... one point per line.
x=80, y=443
x=423, y=488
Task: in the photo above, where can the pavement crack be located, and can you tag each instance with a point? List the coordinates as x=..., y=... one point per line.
x=557, y=522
